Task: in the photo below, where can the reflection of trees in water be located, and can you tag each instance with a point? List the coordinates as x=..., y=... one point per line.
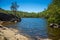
x=54, y=33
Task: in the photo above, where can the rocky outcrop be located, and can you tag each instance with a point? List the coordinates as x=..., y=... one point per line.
x=9, y=17
x=11, y=34
x=54, y=25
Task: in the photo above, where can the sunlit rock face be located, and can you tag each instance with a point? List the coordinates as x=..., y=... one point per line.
x=11, y=34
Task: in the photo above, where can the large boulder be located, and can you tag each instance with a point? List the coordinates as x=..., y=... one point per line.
x=9, y=17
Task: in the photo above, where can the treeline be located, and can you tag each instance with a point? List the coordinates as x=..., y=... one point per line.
x=14, y=7
x=52, y=13
x=22, y=14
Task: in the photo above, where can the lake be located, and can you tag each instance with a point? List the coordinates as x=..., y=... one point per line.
x=33, y=27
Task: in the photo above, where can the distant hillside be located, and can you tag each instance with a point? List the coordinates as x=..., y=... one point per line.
x=21, y=13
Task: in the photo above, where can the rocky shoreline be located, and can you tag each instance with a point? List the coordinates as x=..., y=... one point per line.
x=11, y=34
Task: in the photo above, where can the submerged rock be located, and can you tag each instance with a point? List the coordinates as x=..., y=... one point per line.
x=9, y=17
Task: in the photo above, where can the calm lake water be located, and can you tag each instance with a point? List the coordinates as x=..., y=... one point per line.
x=33, y=27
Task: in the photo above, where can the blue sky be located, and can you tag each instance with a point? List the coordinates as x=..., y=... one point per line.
x=26, y=5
